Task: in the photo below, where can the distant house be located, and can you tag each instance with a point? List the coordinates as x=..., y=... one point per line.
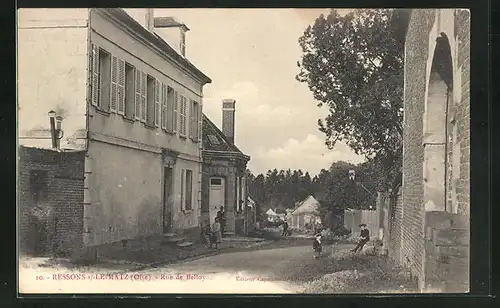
x=224, y=173
x=271, y=215
x=306, y=213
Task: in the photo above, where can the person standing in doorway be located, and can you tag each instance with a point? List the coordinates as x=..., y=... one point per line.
x=220, y=216
x=364, y=238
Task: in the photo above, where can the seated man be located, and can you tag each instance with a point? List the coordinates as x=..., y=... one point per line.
x=364, y=238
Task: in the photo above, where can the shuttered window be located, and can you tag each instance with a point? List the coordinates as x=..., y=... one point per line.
x=189, y=190
x=121, y=87
x=183, y=188
x=144, y=79
x=200, y=122
x=192, y=123
x=95, y=76
x=175, y=111
x=113, y=99
x=157, y=102
x=170, y=109
x=138, y=96
x=164, y=106
x=183, y=116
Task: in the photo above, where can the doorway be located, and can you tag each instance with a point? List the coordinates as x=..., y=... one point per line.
x=216, y=197
x=168, y=201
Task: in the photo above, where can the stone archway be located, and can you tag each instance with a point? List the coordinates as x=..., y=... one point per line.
x=436, y=126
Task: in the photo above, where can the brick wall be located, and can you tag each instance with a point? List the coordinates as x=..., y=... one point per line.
x=408, y=243
x=416, y=48
x=462, y=110
x=395, y=226
x=447, y=253
x=63, y=226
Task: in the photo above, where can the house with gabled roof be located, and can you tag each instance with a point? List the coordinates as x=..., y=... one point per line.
x=307, y=212
x=224, y=174
x=114, y=84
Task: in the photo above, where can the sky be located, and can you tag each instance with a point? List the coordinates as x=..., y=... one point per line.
x=251, y=56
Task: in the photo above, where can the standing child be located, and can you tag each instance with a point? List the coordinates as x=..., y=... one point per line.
x=317, y=247
x=208, y=235
x=217, y=234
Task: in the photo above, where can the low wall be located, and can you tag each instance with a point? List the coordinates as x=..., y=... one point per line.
x=447, y=253
x=51, y=223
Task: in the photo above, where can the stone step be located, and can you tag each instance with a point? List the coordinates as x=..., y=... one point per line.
x=172, y=238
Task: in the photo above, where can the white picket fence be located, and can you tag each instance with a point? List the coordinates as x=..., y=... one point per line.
x=353, y=218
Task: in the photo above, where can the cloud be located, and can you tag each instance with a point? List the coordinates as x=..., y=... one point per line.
x=251, y=56
x=309, y=154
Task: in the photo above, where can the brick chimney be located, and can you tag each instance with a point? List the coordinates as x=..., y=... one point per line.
x=143, y=16
x=173, y=32
x=228, y=110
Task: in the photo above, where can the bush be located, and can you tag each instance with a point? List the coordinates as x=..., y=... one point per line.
x=341, y=231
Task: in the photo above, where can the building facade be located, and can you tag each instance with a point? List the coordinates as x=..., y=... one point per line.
x=224, y=174
x=429, y=222
x=127, y=99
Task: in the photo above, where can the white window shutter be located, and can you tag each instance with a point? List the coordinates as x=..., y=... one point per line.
x=138, y=97
x=114, y=84
x=143, y=97
x=191, y=119
x=121, y=87
x=175, y=111
x=200, y=122
x=164, y=106
x=182, y=129
x=183, y=188
x=95, y=76
x=157, y=102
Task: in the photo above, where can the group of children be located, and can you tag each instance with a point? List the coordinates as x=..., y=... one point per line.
x=364, y=238
x=213, y=232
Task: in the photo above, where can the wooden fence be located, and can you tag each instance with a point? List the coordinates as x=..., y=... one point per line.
x=353, y=218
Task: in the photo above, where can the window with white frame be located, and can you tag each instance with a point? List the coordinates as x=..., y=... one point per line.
x=129, y=91
x=175, y=112
x=183, y=116
x=101, y=78
x=194, y=121
x=186, y=189
x=140, y=95
x=163, y=106
x=117, y=95
x=189, y=190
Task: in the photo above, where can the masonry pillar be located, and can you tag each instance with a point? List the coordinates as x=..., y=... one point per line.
x=446, y=253
x=230, y=201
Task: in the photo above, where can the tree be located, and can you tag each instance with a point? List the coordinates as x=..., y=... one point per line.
x=353, y=64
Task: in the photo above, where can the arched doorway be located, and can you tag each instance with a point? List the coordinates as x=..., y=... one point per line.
x=438, y=128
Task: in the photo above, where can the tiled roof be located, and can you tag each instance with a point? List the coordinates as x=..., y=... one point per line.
x=309, y=205
x=214, y=139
